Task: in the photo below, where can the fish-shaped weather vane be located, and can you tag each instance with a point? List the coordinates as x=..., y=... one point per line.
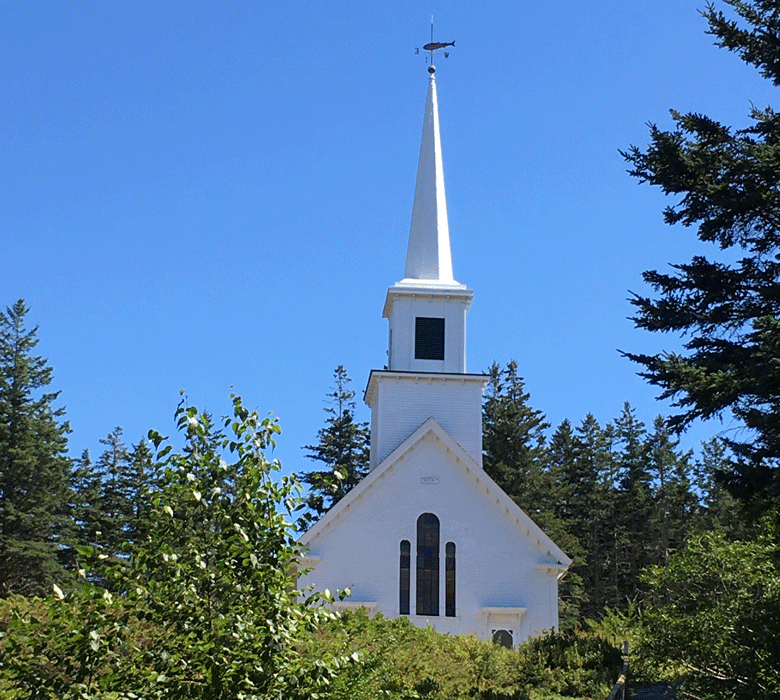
x=434, y=46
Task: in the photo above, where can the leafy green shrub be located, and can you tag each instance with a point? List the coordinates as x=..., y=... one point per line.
x=570, y=664
x=206, y=609
x=711, y=620
x=398, y=660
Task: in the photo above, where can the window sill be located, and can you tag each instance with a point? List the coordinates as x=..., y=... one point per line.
x=431, y=617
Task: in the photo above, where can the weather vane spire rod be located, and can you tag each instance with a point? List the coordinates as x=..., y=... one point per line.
x=434, y=46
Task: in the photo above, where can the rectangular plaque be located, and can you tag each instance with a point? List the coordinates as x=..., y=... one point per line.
x=429, y=479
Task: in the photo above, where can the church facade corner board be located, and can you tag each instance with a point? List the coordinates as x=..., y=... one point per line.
x=427, y=533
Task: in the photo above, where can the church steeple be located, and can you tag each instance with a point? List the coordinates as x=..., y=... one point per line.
x=428, y=255
x=427, y=308
x=425, y=376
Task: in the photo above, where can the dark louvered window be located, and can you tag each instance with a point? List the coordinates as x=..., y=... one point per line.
x=449, y=580
x=428, y=338
x=427, y=564
x=406, y=555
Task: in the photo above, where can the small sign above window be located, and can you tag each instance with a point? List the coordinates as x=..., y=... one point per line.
x=429, y=479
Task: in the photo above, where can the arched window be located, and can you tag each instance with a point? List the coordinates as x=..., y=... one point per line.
x=403, y=586
x=427, y=564
x=449, y=580
x=503, y=638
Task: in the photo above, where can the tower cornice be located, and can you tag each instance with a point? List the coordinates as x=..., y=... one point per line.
x=379, y=375
x=415, y=289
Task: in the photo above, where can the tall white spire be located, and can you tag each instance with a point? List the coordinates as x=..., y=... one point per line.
x=428, y=256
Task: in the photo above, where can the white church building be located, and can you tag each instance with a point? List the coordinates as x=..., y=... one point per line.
x=427, y=534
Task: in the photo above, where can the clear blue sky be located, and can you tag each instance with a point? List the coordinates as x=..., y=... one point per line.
x=205, y=195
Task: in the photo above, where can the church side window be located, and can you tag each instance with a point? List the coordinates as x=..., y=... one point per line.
x=449, y=580
x=427, y=564
x=504, y=638
x=406, y=555
x=428, y=338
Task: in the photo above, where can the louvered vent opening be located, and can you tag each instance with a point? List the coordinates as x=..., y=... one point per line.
x=428, y=338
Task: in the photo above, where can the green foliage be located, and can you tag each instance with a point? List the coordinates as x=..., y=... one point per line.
x=207, y=608
x=589, y=511
x=101, y=645
x=655, y=506
x=343, y=448
x=616, y=626
x=615, y=498
x=572, y=499
x=630, y=546
x=79, y=647
x=513, y=439
x=571, y=665
x=399, y=660
x=85, y=500
x=712, y=620
x=721, y=512
x=141, y=479
x=34, y=469
x=117, y=490
x=726, y=181
x=675, y=503
x=124, y=482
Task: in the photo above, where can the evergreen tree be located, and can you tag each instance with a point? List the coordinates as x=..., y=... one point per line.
x=635, y=528
x=85, y=509
x=110, y=499
x=141, y=471
x=513, y=440
x=728, y=307
x=34, y=468
x=571, y=496
x=343, y=448
x=719, y=511
x=594, y=511
x=117, y=492
x=676, y=505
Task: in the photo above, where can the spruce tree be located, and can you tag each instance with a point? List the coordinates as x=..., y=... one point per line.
x=85, y=507
x=34, y=468
x=594, y=510
x=110, y=498
x=675, y=503
x=564, y=524
x=141, y=473
x=719, y=511
x=343, y=449
x=726, y=304
x=117, y=491
x=513, y=440
x=635, y=526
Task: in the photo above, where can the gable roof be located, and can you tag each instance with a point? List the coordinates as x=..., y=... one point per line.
x=472, y=470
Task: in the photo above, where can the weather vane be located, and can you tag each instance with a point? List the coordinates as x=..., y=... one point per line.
x=435, y=46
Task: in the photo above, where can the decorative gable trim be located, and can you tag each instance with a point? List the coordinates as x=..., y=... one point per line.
x=557, y=570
